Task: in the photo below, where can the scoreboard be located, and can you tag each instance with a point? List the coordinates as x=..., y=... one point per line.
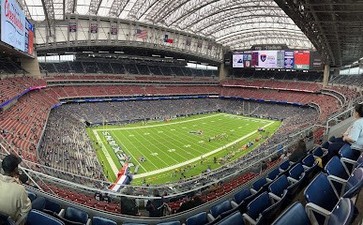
x=277, y=59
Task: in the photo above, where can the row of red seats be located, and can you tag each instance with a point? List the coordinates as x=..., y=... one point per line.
x=12, y=87
x=84, y=199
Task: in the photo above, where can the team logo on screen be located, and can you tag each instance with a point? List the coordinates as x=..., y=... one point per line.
x=263, y=57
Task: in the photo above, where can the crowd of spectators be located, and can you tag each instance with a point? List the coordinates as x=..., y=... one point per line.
x=65, y=146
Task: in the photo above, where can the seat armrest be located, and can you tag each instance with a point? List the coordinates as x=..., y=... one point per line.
x=249, y=219
x=311, y=208
x=292, y=180
x=253, y=191
x=210, y=217
x=234, y=204
x=62, y=212
x=274, y=197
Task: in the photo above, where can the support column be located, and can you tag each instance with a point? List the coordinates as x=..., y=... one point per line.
x=223, y=72
x=32, y=66
x=326, y=75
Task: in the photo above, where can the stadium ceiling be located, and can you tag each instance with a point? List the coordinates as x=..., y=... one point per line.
x=335, y=27
x=238, y=24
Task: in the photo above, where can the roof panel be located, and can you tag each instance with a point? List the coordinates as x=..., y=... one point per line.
x=211, y=18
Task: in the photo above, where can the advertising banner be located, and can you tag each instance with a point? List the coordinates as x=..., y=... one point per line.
x=267, y=59
x=12, y=24
x=237, y=61
x=29, y=37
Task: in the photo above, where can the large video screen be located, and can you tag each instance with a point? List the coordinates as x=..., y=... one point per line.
x=302, y=60
x=237, y=60
x=272, y=59
x=15, y=29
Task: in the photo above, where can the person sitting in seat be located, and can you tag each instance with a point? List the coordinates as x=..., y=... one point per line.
x=14, y=199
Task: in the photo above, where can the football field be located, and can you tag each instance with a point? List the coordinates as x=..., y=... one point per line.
x=167, y=151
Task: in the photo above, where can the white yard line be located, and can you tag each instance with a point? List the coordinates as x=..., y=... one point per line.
x=158, y=125
x=199, y=157
x=106, y=153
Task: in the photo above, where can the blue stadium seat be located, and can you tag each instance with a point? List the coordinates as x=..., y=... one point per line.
x=342, y=214
x=354, y=183
x=297, y=172
x=176, y=222
x=309, y=165
x=260, y=209
x=198, y=219
x=235, y=219
x=31, y=195
x=322, y=200
x=51, y=207
x=273, y=174
x=349, y=157
x=325, y=145
x=278, y=187
x=73, y=215
x=102, y=221
x=319, y=152
x=259, y=185
x=284, y=166
x=241, y=195
x=295, y=214
x=220, y=208
x=336, y=168
x=36, y=217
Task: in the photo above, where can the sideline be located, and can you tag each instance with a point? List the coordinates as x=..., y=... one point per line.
x=157, y=125
x=106, y=153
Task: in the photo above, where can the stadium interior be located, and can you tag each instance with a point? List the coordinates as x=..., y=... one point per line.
x=71, y=69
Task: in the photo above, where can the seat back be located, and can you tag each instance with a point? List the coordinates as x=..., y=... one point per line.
x=235, y=219
x=257, y=185
x=296, y=171
x=32, y=196
x=347, y=152
x=52, y=206
x=325, y=145
x=279, y=186
x=318, y=152
x=342, y=213
x=198, y=219
x=295, y=214
x=284, y=166
x=241, y=195
x=36, y=217
x=354, y=183
x=258, y=205
x=335, y=167
x=76, y=215
x=102, y=221
x=308, y=161
x=218, y=209
x=321, y=193
x=273, y=174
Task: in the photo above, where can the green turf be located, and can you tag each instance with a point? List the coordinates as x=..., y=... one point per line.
x=167, y=144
